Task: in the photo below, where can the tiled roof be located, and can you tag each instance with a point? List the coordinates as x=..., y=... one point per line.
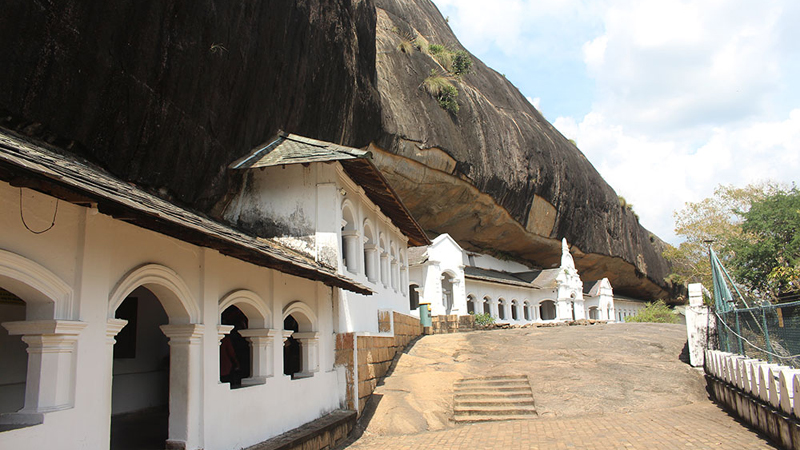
x=26, y=163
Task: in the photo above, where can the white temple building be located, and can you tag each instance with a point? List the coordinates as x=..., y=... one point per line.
x=117, y=305
x=457, y=282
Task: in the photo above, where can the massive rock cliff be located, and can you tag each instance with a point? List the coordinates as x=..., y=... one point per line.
x=167, y=93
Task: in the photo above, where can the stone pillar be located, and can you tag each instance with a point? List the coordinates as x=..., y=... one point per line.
x=261, y=351
x=50, y=382
x=185, y=385
x=403, y=279
x=370, y=261
x=309, y=342
x=351, y=250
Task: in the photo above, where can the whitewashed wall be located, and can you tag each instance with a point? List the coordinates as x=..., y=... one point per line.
x=92, y=254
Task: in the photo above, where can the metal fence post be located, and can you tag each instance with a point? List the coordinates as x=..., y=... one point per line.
x=738, y=332
x=766, y=333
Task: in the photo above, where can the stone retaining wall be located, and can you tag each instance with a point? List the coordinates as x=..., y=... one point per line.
x=452, y=323
x=761, y=394
x=376, y=353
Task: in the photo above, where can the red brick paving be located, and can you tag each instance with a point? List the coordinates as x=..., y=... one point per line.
x=695, y=426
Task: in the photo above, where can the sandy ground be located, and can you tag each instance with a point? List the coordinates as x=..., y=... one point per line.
x=574, y=371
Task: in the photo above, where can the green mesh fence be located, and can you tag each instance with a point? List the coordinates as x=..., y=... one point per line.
x=770, y=333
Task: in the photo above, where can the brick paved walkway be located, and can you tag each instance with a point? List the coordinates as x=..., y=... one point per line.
x=696, y=426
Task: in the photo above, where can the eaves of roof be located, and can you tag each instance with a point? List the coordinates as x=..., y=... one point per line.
x=34, y=165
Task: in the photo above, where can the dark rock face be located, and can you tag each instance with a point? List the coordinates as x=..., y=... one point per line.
x=533, y=186
x=168, y=93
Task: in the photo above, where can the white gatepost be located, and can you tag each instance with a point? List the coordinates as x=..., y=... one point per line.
x=699, y=325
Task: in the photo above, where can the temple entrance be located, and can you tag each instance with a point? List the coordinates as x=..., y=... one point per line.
x=140, y=384
x=13, y=355
x=447, y=293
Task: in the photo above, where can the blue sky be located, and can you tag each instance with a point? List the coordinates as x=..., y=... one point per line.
x=667, y=99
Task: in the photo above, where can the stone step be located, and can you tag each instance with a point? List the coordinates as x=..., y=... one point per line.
x=467, y=419
x=494, y=411
x=493, y=389
x=500, y=382
x=494, y=402
x=494, y=378
x=511, y=395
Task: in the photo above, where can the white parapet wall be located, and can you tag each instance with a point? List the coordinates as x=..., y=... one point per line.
x=760, y=393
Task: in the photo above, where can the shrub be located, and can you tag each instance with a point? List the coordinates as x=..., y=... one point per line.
x=435, y=49
x=462, y=63
x=483, y=319
x=654, y=312
x=442, y=89
x=406, y=46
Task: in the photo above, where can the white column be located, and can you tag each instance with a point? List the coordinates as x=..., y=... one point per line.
x=309, y=342
x=403, y=279
x=51, y=369
x=261, y=354
x=385, y=269
x=395, y=272
x=351, y=250
x=185, y=385
x=370, y=261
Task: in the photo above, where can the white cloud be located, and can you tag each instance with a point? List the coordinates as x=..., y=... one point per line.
x=660, y=176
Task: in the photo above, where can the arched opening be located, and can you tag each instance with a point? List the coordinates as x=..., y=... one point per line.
x=526, y=310
x=487, y=306
x=349, y=240
x=370, y=253
x=514, y=312
x=140, y=382
x=394, y=268
x=501, y=309
x=292, y=351
x=471, y=304
x=13, y=355
x=301, y=340
x=234, y=350
x=547, y=310
x=447, y=292
x=593, y=313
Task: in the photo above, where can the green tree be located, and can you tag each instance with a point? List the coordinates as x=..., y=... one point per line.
x=766, y=254
x=654, y=312
x=715, y=221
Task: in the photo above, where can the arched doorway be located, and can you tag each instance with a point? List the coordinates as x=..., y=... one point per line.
x=140, y=381
x=547, y=310
x=13, y=355
x=161, y=366
x=447, y=292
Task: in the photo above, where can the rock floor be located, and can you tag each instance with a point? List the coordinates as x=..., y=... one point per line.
x=595, y=387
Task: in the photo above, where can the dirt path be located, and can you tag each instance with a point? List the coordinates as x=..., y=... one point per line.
x=574, y=371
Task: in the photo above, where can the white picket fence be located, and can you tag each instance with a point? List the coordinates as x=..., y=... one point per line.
x=773, y=384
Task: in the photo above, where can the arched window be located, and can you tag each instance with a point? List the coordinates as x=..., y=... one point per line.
x=487, y=306
x=371, y=262
x=13, y=356
x=514, y=312
x=301, y=341
x=394, y=267
x=471, y=304
x=547, y=310
x=234, y=351
x=349, y=239
x=384, y=263
x=501, y=309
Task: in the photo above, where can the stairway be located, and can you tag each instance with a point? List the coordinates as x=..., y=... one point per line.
x=501, y=397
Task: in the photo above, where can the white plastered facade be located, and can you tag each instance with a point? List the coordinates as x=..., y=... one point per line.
x=487, y=284
x=73, y=277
